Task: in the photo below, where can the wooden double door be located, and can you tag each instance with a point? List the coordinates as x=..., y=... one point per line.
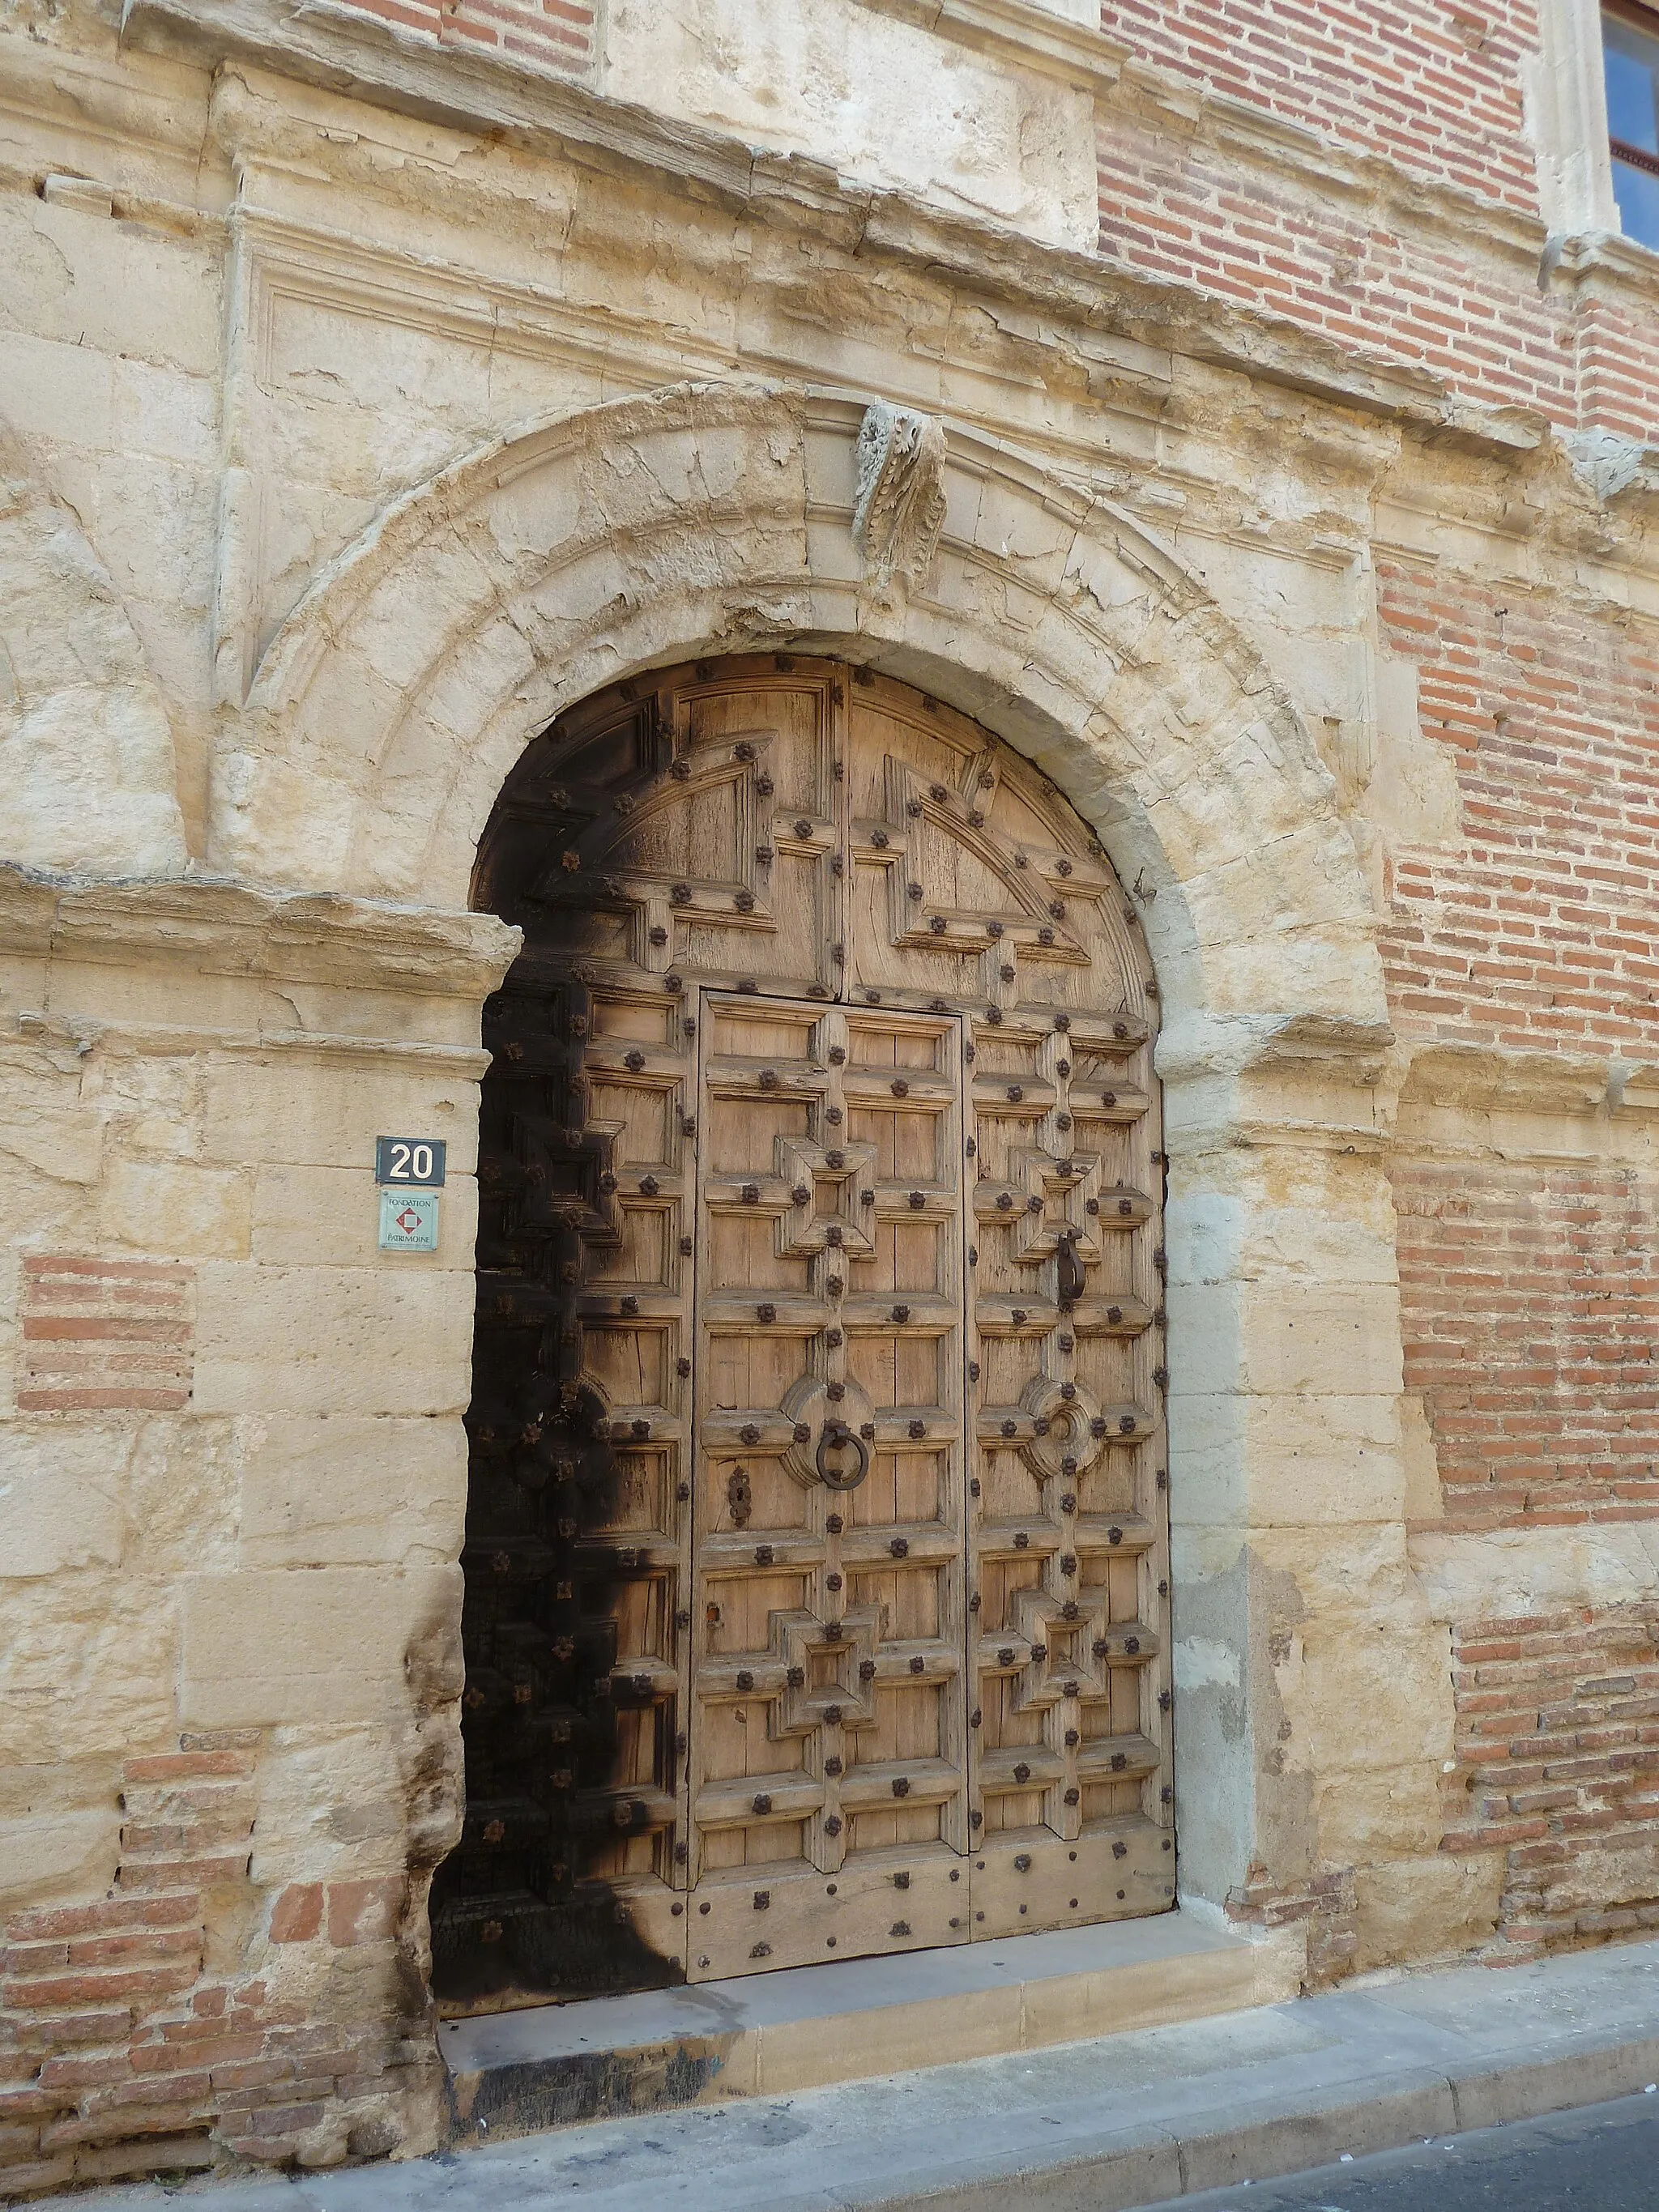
x=816, y=1565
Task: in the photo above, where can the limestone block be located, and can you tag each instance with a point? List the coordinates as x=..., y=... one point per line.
x=1208, y=846
x=356, y=383
x=1423, y=1500
x=1285, y=1210
x=62, y=1496
x=88, y=1668
x=345, y=1491
x=1599, y=1876
x=1369, y=1693
x=50, y=1854
x=86, y=775
x=396, y=630
x=320, y=1113
x=151, y=1103
x=175, y=1209
x=1283, y=1460
x=288, y=1647
x=304, y=818
x=381, y=1018
x=62, y=754
x=44, y=1120
x=1326, y=964
x=331, y=1216
x=1425, y=1908
x=340, y=1800
x=1307, y=619
x=386, y=1340
x=125, y=287
x=1360, y=1567
x=1502, y=1574
x=1280, y=1338
x=57, y=391
x=1413, y=796
x=1390, y=1813
x=182, y=1496
x=161, y=412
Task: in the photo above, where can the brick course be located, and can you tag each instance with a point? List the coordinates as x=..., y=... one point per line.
x=1432, y=88
x=1558, y=1768
x=1531, y=1319
x=1542, y=931
x=123, y=2051
x=1177, y=208
x=546, y=34
x=106, y=1335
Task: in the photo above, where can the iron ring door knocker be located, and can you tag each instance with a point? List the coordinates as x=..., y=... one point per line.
x=835, y=1435
x=1072, y=1279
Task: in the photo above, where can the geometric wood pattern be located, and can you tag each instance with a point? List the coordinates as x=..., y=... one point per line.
x=816, y=1563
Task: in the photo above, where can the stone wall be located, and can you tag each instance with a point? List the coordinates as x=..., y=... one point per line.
x=235, y=1488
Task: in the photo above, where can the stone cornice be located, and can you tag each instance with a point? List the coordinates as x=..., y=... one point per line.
x=215, y=927
x=1031, y=38
x=1484, y=1077
x=1606, y=255
x=356, y=56
x=1015, y=34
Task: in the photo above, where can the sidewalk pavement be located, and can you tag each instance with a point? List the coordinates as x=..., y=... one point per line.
x=1128, y=2120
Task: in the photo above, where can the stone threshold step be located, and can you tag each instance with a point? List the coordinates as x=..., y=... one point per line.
x=765, y=2035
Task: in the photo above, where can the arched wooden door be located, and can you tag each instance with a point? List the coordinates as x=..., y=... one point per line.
x=817, y=1558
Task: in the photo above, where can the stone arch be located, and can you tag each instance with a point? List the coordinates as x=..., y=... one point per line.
x=388, y=709
x=87, y=771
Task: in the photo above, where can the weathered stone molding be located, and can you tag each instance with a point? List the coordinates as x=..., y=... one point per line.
x=225, y=928
x=388, y=709
x=1019, y=35
x=357, y=57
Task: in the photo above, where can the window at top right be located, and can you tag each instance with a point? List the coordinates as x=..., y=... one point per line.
x=1630, y=47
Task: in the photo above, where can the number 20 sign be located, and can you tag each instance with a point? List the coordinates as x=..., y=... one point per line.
x=409, y=1163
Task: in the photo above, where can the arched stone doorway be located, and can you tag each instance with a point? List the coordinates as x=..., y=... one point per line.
x=390, y=710
x=817, y=1571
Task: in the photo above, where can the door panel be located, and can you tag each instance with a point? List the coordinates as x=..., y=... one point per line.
x=828, y=1768
x=821, y=1095
x=963, y=857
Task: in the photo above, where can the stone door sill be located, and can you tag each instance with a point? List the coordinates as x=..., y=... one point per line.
x=516, y=2073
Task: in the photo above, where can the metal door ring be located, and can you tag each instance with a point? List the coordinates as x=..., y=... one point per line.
x=836, y=1441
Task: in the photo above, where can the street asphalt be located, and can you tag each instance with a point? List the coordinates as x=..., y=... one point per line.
x=1602, y=2158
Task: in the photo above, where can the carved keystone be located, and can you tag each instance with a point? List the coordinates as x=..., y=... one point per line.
x=899, y=509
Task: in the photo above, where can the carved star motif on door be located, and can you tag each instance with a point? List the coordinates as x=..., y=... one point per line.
x=803, y=1167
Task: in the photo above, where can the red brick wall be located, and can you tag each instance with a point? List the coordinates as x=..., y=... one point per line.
x=1618, y=367
x=1543, y=932
x=1530, y=1289
x=554, y=34
x=1558, y=1747
x=1433, y=84
x=1531, y=1308
x=123, y=2048
x=1434, y=88
x=1172, y=207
